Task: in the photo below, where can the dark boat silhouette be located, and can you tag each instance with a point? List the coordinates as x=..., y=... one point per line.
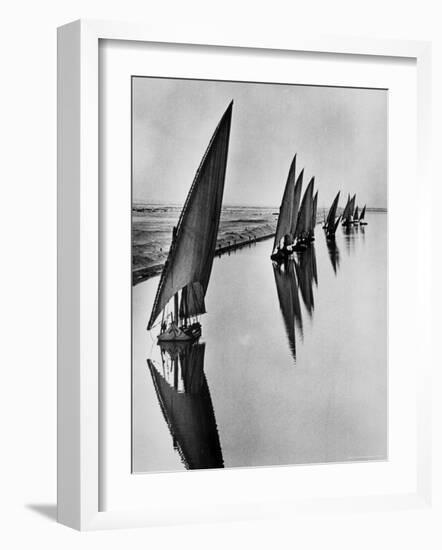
x=347, y=214
x=183, y=394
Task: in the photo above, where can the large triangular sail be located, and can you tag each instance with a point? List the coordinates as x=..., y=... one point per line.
x=286, y=208
x=191, y=254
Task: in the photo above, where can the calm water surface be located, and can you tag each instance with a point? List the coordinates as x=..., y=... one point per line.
x=291, y=368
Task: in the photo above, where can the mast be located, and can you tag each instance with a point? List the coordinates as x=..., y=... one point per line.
x=175, y=308
x=190, y=259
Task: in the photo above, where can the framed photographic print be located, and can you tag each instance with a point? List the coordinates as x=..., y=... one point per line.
x=233, y=276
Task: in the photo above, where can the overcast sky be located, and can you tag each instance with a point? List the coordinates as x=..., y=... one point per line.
x=340, y=135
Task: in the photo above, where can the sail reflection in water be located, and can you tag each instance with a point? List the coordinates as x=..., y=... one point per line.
x=307, y=274
x=292, y=278
x=287, y=289
x=333, y=254
x=184, y=397
x=349, y=233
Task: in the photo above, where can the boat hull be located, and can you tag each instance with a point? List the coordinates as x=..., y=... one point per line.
x=174, y=333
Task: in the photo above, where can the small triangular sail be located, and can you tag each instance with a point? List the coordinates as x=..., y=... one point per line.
x=356, y=214
x=286, y=208
x=362, y=216
x=305, y=212
x=191, y=254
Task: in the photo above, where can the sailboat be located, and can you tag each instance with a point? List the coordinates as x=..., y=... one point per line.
x=362, y=217
x=331, y=224
x=288, y=211
x=186, y=273
x=356, y=216
x=347, y=215
x=184, y=397
x=303, y=229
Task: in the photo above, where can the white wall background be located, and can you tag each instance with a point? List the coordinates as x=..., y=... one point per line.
x=28, y=273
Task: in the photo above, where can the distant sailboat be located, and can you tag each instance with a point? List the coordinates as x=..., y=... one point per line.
x=347, y=215
x=362, y=217
x=289, y=206
x=303, y=229
x=183, y=394
x=331, y=223
x=186, y=273
x=296, y=203
x=356, y=215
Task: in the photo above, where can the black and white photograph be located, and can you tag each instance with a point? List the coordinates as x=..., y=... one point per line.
x=259, y=274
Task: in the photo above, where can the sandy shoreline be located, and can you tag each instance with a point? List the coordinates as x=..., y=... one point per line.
x=152, y=231
x=227, y=241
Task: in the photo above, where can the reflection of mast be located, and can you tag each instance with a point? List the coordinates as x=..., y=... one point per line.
x=185, y=402
x=287, y=289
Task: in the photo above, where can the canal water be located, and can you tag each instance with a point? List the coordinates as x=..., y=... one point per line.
x=291, y=367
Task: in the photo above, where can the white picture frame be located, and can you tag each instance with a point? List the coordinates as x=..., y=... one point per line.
x=79, y=205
